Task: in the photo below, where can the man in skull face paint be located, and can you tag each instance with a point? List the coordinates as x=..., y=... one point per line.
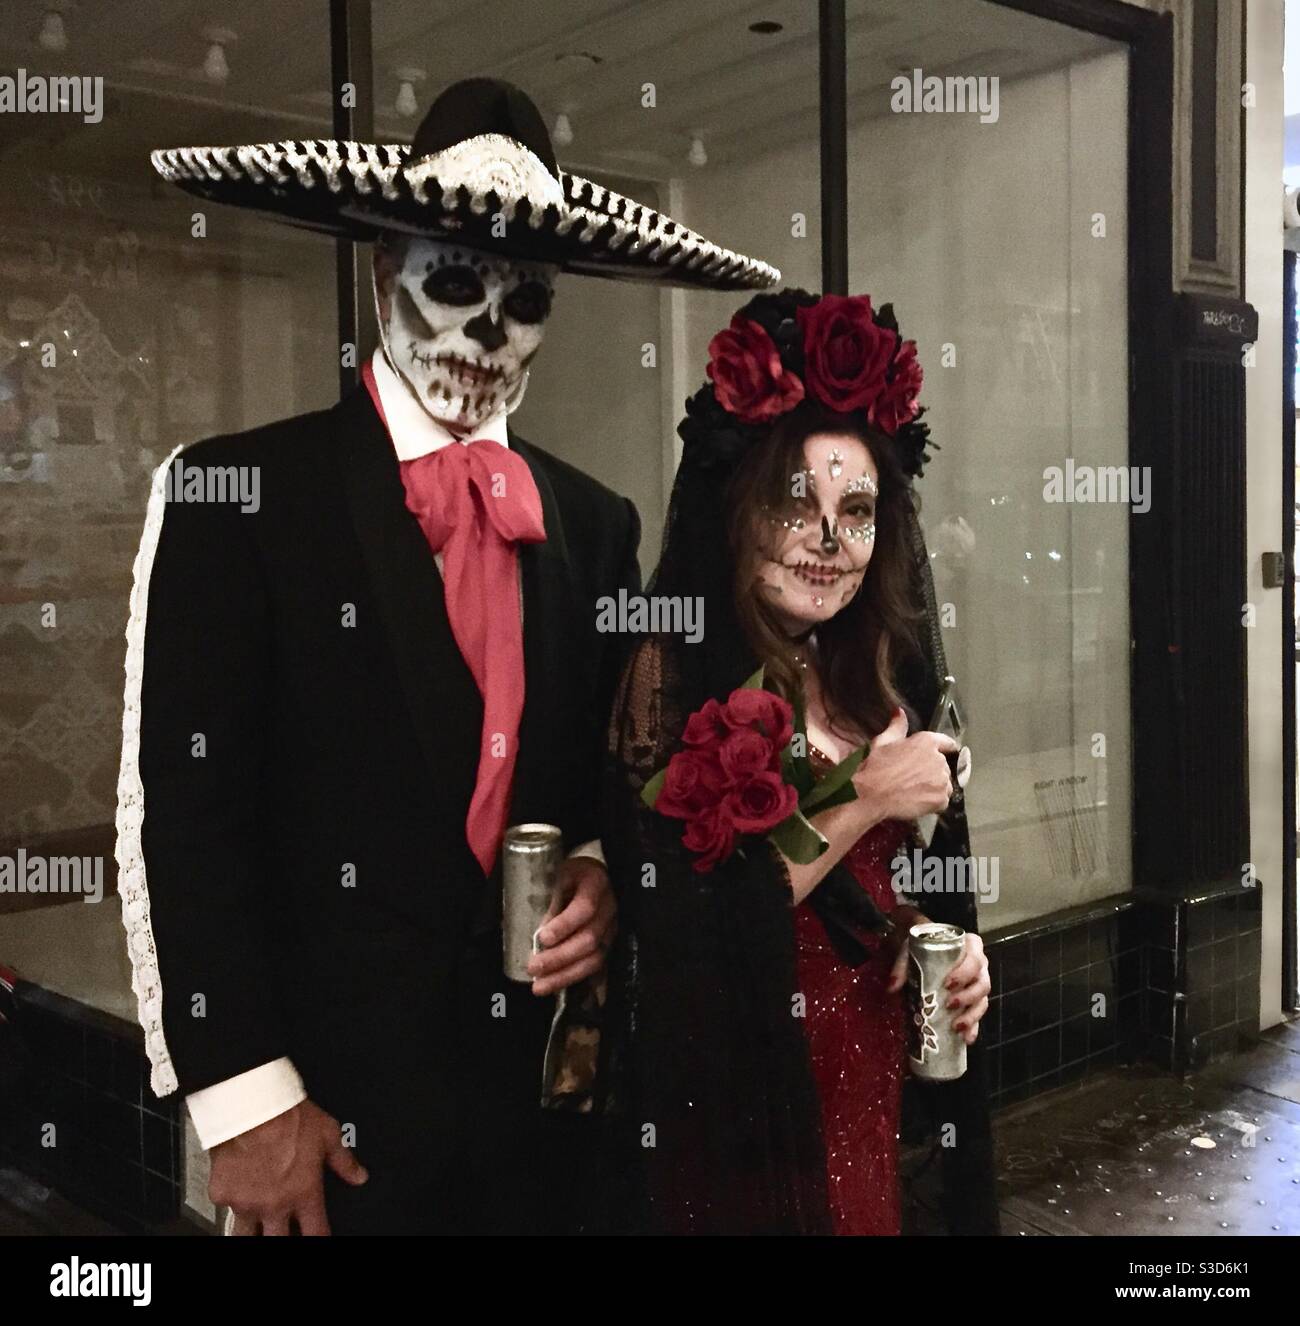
x=390, y=662
x=460, y=325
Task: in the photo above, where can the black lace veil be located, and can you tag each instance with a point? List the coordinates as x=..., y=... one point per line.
x=702, y=1055
x=712, y=1113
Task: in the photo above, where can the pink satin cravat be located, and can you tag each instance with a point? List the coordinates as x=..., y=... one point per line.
x=475, y=502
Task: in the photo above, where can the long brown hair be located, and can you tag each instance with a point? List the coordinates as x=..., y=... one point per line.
x=861, y=647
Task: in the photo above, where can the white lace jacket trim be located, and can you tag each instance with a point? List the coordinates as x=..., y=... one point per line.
x=131, y=881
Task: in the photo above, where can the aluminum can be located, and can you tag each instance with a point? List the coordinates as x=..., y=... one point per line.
x=934, y=1051
x=530, y=857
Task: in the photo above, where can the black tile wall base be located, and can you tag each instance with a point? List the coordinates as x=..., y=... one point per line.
x=1065, y=1001
x=1202, y=972
x=1147, y=976
x=80, y=1115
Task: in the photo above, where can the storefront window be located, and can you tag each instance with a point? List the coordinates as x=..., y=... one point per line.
x=132, y=319
x=992, y=213
x=681, y=110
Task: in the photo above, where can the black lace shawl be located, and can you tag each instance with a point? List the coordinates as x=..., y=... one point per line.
x=712, y=1115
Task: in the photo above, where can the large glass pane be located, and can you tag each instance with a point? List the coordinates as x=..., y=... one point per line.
x=686, y=108
x=1000, y=235
x=133, y=318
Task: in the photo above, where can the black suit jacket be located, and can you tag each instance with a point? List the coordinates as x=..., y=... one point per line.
x=311, y=890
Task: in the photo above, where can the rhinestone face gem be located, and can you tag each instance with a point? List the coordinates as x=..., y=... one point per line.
x=796, y=523
x=864, y=484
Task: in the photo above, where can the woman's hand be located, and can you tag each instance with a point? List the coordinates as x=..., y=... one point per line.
x=904, y=917
x=968, y=983
x=906, y=776
x=968, y=987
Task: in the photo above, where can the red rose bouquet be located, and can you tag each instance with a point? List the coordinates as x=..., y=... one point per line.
x=744, y=771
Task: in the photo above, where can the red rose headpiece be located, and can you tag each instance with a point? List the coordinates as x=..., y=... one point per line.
x=783, y=349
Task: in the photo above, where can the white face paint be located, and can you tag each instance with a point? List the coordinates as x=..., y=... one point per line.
x=461, y=325
x=820, y=544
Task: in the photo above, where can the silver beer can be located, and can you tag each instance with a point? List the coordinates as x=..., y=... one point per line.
x=530, y=857
x=934, y=1050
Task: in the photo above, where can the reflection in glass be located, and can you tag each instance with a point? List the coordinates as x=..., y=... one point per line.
x=679, y=107
x=131, y=320
x=1001, y=238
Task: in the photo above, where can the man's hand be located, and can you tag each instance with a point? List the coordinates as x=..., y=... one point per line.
x=579, y=928
x=274, y=1173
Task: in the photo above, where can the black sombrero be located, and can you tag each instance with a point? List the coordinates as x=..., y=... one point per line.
x=481, y=161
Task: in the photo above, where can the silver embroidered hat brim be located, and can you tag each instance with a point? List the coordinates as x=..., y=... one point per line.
x=489, y=191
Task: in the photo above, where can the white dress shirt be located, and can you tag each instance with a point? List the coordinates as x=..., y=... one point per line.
x=226, y=1109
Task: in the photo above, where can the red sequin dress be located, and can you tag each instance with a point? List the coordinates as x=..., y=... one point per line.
x=857, y=1039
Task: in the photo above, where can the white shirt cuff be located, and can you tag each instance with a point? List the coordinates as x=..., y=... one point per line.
x=226, y=1109
x=591, y=849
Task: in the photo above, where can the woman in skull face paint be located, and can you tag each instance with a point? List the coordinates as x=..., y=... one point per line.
x=789, y=517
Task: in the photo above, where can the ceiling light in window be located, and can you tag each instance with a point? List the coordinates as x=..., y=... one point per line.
x=216, y=68
x=53, y=35
x=697, y=156
x=562, y=134
x=406, y=103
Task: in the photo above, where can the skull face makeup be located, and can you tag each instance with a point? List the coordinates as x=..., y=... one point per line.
x=460, y=325
x=819, y=547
